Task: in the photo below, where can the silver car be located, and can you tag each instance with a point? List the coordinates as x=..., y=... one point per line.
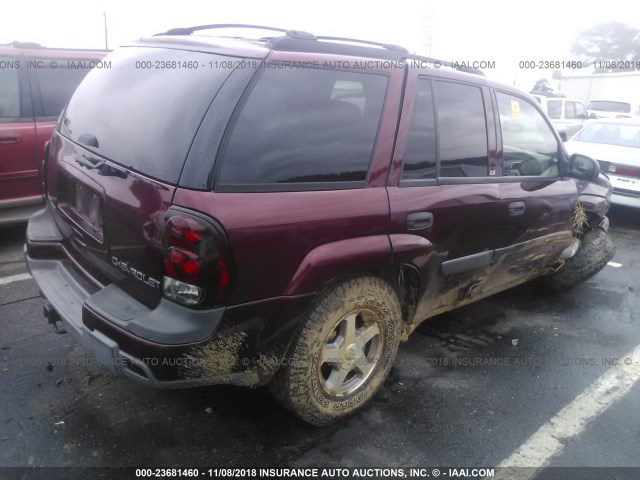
x=615, y=143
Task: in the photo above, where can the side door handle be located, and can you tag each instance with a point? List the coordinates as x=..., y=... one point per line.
x=418, y=220
x=11, y=138
x=516, y=208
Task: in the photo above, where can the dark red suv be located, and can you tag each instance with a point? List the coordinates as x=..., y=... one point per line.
x=285, y=210
x=35, y=85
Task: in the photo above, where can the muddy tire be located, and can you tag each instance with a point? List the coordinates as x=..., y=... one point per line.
x=596, y=249
x=342, y=352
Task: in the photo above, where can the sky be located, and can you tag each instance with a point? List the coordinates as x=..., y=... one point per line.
x=505, y=32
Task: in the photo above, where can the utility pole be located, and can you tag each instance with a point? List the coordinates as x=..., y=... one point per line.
x=106, y=43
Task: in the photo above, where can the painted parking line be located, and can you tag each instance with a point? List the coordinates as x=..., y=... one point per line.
x=572, y=420
x=14, y=278
x=614, y=264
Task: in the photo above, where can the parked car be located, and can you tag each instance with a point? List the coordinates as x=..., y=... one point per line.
x=285, y=211
x=35, y=84
x=567, y=115
x=615, y=143
x=611, y=109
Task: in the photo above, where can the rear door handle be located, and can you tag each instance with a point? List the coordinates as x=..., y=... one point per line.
x=11, y=138
x=418, y=220
x=516, y=208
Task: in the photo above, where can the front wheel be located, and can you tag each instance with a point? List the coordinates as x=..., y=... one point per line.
x=596, y=249
x=342, y=352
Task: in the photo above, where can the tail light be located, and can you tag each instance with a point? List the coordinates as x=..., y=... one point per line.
x=197, y=260
x=51, y=149
x=624, y=170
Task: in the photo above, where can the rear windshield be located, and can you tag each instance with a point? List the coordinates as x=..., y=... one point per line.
x=608, y=106
x=143, y=109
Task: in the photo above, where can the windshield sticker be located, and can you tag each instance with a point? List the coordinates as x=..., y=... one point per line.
x=515, y=109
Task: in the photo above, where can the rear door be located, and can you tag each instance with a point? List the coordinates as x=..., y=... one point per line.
x=299, y=182
x=447, y=216
x=20, y=184
x=575, y=114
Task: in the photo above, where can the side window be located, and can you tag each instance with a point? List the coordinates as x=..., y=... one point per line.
x=581, y=111
x=554, y=109
x=56, y=86
x=420, y=151
x=9, y=88
x=301, y=125
x=570, y=110
x=462, y=130
x=529, y=146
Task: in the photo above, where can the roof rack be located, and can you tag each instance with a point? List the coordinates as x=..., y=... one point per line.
x=297, y=34
x=388, y=46
x=189, y=30
x=444, y=63
x=290, y=41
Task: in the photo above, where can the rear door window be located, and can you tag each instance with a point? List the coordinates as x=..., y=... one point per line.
x=570, y=110
x=554, y=109
x=56, y=85
x=10, y=89
x=304, y=126
x=420, y=152
x=462, y=130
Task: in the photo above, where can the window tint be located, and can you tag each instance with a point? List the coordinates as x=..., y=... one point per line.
x=57, y=85
x=529, y=145
x=9, y=89
x=462, y=130
x=420, y=151
x=554, y=109
x=144, y=118
x=305, y=125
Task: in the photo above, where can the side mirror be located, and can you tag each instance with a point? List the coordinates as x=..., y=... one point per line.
x=583, y=167
x=592, y=116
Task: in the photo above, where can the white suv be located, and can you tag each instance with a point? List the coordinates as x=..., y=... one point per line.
x=567, y=115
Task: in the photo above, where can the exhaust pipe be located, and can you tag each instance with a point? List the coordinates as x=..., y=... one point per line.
x=53, y=318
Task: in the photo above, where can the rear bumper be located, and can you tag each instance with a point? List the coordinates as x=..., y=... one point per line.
x=170, y=346
x=19, y=211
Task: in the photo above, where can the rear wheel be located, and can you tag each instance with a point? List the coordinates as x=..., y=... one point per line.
x=343, y=351
x=596, y=249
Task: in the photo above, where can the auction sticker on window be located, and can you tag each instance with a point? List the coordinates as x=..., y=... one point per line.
x=515, y=109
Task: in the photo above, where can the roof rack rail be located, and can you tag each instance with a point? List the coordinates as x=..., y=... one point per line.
x=388, y=46
x=17, y=44
x=189, y=30
x=444, y=63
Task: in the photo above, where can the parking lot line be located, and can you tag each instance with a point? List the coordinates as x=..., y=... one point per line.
x=14, y=278
x=572, y=420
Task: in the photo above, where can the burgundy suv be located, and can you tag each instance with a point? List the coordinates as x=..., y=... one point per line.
x=35, y=85
x=285, y=210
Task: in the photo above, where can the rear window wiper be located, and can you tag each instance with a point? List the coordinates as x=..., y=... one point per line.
x=89, y=162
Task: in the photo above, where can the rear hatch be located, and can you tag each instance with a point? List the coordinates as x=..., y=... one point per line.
x=117, y=156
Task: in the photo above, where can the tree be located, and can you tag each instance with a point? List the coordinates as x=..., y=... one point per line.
x=608, y=44
x=542, y=87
